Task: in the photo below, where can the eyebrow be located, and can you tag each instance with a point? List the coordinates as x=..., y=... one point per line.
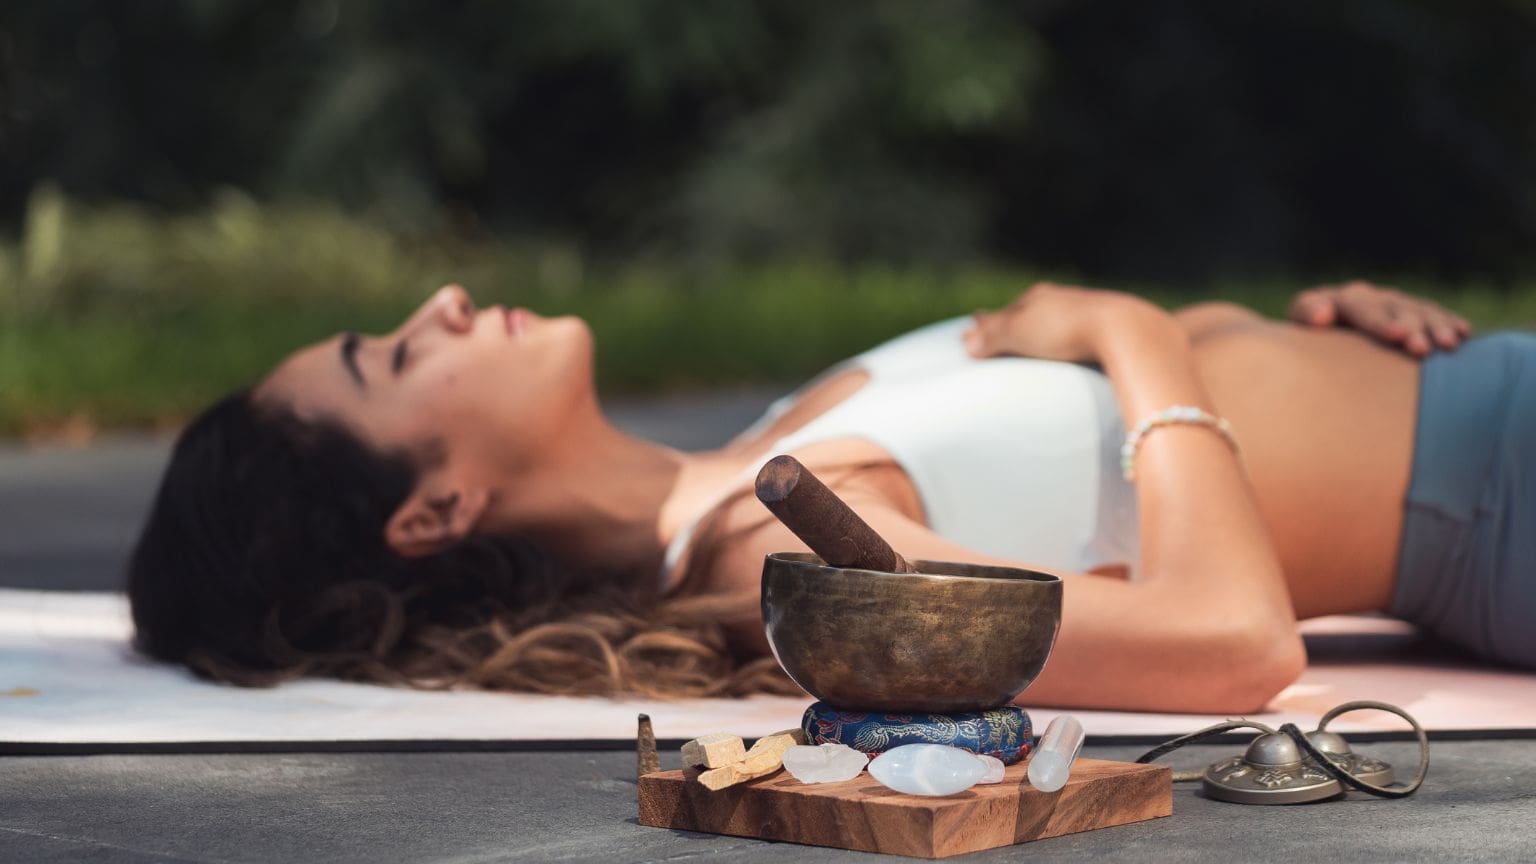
x=397, y=358
x=349, y=343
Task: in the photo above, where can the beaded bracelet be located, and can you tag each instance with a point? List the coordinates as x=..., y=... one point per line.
x=1174, y=415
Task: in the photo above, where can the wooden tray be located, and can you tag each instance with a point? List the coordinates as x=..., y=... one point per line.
x=863, y=815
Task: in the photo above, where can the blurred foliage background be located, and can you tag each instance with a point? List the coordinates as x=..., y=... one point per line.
x=189, y=188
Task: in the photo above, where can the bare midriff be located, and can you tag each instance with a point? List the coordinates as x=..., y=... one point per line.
x=1326, y=422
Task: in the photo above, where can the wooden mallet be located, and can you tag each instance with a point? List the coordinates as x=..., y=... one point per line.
x=822, y=521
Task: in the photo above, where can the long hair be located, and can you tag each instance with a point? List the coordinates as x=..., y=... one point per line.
x=263, y=559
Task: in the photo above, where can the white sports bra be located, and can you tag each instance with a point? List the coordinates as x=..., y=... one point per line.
x=1013, y=457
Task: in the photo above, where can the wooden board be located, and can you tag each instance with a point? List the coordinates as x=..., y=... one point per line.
x=863, y=815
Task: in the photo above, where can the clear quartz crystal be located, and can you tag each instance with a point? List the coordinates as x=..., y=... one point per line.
x=995, y=768
x=927, y=769
x=1059, y=746
x=825, y=763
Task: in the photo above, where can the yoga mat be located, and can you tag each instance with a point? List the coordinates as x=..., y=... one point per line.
x=69, y=681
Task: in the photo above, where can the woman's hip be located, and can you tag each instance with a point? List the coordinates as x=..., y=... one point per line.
x=1467, y=567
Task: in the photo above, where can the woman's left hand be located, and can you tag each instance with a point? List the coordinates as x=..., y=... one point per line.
x=1414, y=324
x=1052, y=322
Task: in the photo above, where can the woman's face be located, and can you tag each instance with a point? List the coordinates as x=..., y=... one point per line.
x=485, y=385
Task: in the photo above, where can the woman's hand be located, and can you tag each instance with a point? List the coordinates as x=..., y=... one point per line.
x=1054, y=322
x=1414, y=324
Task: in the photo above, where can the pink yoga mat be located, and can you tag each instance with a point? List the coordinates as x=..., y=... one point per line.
x=67, y=676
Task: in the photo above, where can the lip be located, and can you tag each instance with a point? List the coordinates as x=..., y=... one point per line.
x=517, y=320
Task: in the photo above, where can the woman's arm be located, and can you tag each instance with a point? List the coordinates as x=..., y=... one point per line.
x=1208, y=626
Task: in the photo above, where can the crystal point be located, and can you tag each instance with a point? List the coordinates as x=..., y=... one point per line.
x=927, y=769
x=1052, y=763
x=825, y=763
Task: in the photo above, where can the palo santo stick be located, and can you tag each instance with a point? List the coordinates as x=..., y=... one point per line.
x=778, y=742
x=716, y=779
x=714, y=750
x=765, y=757
x=646, y=759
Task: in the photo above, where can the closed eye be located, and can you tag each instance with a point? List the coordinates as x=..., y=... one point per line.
x=397, y=358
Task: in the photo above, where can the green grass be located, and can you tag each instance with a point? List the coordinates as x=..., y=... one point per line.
x=131, y=318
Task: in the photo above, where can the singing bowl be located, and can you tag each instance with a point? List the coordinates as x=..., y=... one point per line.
x=951, y=637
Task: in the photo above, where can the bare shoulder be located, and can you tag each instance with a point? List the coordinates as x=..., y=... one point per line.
x=741, y=535
x=745, y=538
x=743, y=531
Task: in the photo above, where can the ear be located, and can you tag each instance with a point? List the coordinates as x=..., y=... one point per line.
x=437, y=515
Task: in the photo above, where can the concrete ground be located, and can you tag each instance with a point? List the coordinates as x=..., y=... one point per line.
x=69, y=518
x=564, y=806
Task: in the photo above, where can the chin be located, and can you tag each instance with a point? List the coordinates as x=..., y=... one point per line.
x=571, y=339
x=575, y=328
x=574, y=356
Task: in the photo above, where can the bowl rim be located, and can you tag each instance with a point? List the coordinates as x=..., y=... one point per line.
x=1016, y=575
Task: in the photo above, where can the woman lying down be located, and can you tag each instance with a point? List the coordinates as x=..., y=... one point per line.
x=447, y=505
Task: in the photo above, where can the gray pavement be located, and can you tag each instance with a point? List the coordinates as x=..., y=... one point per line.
x=70, y=516
x=567, y=807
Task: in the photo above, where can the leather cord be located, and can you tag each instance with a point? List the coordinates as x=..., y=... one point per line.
x=1323, y=762
x=1349, y=779
x=1195, y=737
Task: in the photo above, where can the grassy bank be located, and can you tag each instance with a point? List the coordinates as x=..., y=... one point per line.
x=115, y=316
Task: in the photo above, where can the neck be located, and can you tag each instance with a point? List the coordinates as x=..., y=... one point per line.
x=604, y=499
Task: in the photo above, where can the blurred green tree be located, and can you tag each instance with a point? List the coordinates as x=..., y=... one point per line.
x=1172, y=140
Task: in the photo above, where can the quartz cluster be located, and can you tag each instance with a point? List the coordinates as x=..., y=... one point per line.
x=824, y=763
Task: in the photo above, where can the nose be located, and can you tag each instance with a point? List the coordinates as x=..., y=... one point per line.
x=450, y=307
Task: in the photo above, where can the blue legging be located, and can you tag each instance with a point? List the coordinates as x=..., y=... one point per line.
x=1467, y=569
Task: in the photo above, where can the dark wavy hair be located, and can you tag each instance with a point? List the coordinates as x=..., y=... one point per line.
x=264, y=559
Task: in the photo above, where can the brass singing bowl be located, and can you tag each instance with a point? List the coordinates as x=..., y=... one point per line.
x=952, y=637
